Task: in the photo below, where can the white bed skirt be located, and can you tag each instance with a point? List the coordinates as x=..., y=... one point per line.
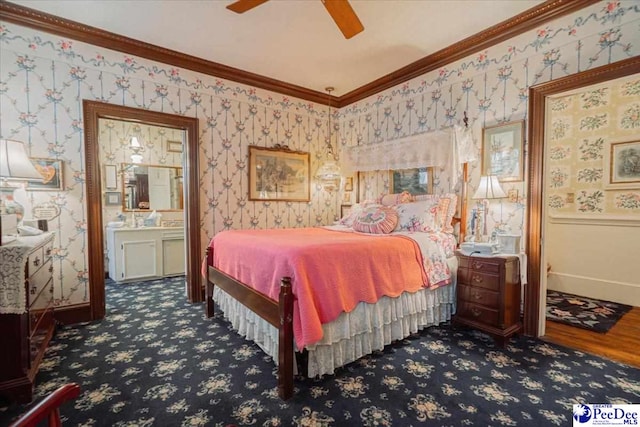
x=369, y=327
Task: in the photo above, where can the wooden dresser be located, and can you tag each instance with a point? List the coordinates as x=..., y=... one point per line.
x=26, y=313
x=488, y=295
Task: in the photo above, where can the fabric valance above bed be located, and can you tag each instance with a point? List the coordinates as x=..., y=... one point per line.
x=446, y=149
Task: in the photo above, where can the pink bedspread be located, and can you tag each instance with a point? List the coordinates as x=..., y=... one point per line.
x=331, y=271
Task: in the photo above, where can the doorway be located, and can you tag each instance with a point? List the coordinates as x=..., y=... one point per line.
x=535, y=293
x=93, y=111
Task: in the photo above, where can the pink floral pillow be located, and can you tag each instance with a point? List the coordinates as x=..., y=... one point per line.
x=418, y=216
x=376, y=219
x=348, y=219
x=447, y=206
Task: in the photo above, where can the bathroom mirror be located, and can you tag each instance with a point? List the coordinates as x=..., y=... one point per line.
x=151, y=187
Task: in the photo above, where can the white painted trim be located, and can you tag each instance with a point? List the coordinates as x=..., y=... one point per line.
x=592, y=287
x=606, y=220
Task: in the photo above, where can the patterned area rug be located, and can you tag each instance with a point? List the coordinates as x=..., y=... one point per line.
x=583, y=312
x=155, y=360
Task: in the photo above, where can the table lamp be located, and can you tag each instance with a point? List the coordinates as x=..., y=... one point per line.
x=489, y=188
x=15, y=168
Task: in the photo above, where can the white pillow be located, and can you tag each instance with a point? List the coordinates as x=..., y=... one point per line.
x=418, y=216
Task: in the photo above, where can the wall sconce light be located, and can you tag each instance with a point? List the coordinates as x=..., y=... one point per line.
x=136, y=147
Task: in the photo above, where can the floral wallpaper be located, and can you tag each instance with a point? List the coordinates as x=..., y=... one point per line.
x=492, y=88
x=583, y=125
x=43, y=80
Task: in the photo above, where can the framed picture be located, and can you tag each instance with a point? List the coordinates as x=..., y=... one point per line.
x=110, y=177
x=415, y=181
x=502, y=147
x=112, y=198
x=52, y=175
x=345, y=210
x=278, y=174
x=622, y=165
x=174, y=146
x=346, y=197
x=348, y=183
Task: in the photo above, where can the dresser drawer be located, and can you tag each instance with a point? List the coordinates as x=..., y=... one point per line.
x=47, y=251
x=477, y=279
x=35, y=261
x=41, y=303
x=38, y=281
x=478, y=313
x=484, y=265
x=488, y=298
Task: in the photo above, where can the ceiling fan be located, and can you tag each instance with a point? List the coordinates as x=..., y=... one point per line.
x=340, y=10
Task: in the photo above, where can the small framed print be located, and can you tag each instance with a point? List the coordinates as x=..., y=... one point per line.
x=174, y=146
x=502, y=148
x=416, y=181
x=345, y=210
x=52, y=176
x=112, y=198
x=622, y=165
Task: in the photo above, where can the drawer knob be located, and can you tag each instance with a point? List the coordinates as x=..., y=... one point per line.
x=476, y=295
x=51, y=269
x=36, y=261
x=476, y=312
x=477, y=265
x=477, y=279
x=33, y=290
x=48, y=251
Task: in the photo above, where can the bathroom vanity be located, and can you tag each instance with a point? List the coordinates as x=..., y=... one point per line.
x=145, y=253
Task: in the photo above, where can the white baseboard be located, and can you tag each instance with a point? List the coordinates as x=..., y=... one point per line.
x=620, y=292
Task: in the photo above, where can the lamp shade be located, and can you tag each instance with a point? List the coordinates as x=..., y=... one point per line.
x=15, y=163
x=489, y=188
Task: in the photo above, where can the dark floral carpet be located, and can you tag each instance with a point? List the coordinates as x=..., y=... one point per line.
x=155, y=360
x=582, y=312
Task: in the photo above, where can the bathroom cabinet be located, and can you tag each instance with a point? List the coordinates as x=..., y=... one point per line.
x=145, y=253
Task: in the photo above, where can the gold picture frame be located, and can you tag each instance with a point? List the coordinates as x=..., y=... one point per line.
x=52, y=171
x=622, y=165
x=277, y=174
x=416, y=181
x=502, y=151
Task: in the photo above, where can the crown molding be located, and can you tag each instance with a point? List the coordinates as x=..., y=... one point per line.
x=525, y=21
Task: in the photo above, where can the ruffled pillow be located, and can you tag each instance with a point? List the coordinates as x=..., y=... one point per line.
x=418, y=216
x=348, y=219
x=447, y=206
x=376, y=220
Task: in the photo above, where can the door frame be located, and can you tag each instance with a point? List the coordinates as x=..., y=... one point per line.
x=93, y=111
x=533, y=317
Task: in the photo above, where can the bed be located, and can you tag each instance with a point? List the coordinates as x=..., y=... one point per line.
x=391, y=277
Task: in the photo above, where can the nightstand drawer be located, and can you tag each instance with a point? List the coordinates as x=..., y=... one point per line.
x=36, y=259
x=477, y=279
x=40, y=306
x=476, y=295
x=478, y=313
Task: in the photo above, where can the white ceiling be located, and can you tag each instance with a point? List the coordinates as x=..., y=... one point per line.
x=294, y=41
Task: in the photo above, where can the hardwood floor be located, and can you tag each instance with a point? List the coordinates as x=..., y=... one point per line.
x=621, y=343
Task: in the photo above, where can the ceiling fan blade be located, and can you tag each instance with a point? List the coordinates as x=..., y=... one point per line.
x=241, y=6
x=344, y=17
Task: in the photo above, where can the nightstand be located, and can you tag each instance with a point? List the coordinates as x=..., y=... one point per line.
x=488, y=295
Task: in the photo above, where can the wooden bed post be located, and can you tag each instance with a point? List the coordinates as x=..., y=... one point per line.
x=463, y=204
x=209, y=288
x=285, y=335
